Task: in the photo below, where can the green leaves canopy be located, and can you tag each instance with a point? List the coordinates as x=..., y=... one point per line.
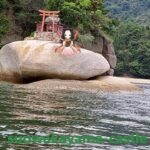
x=88, y=16
x=133, y=49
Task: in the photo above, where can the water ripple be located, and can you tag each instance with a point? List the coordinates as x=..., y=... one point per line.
x=26, y=112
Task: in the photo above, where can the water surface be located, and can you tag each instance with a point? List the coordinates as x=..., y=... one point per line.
x=33, y=112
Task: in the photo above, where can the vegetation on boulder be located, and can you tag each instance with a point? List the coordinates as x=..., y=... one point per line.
x=88, y=16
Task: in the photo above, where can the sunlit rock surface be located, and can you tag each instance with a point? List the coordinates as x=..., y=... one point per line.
x=34, y=60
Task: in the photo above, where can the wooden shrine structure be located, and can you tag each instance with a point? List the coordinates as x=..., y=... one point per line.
x=51, y=14
x=50, y=26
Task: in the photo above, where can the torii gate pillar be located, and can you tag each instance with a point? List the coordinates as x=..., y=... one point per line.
x=45, y=14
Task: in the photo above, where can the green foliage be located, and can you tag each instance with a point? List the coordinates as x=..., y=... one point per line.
x=135, y=10
x=20, y=13
x=86, y=39
x=26, y=14
x=88, y=16
x=3, y=4
x=85, y=3
x=4, y=25
x=54, y=4
x=131, y=40
x=133, y=49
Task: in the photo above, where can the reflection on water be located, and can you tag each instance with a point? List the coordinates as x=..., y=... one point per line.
x=26, y=112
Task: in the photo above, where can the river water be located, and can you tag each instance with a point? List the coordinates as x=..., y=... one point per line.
x=65, y=112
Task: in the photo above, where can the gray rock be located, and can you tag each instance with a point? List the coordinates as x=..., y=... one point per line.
x=105, y=47
x=109, y=53
x=34, y=60
x=110, y=72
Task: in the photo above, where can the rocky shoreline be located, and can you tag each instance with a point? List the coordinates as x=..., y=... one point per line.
x=36, y=63
x=104, y=83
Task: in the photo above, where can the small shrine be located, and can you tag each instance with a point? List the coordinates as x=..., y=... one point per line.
x=50, y=27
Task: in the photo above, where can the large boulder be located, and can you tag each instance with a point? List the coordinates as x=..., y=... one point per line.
x=34, y=60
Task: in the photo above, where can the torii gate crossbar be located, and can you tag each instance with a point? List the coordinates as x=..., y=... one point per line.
x=45, y=14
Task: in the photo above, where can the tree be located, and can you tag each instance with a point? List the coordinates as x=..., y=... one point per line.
x=4, y=26
x=26, y=14
x=127, y=10
x=133, y=49
x=89, y=16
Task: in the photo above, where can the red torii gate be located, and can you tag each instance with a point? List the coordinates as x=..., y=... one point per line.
x=45, y=14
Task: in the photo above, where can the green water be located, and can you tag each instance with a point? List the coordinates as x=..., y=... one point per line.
x=30, y=112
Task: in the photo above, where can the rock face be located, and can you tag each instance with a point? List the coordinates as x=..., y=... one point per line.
x=106, y=48
x=109, y=53
x=34, y=60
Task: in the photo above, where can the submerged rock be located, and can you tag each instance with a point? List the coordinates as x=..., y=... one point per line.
x=99, y=84
x=34, y=60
